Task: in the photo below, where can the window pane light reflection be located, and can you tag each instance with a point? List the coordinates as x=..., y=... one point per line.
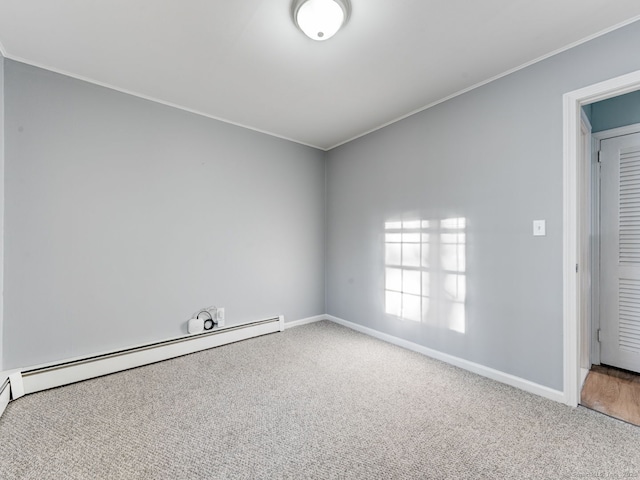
x=320, y=19
x=425, y=271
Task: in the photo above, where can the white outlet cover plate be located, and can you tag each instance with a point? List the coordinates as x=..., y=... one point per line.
x=539, y=228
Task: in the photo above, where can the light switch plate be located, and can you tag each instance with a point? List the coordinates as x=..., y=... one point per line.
x=539, y=228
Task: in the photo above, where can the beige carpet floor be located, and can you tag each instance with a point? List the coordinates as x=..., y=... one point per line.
x=318, y=401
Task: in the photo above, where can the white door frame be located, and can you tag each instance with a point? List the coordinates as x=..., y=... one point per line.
x=572, y=210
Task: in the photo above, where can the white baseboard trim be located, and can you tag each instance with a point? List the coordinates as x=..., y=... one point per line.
x=304, y=321
x=63, y=373
x=491, y=373
x=47, y=376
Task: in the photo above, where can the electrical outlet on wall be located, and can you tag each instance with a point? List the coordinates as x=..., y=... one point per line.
x=217, y=315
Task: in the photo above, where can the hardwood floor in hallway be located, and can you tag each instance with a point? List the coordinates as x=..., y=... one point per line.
x=613, y=392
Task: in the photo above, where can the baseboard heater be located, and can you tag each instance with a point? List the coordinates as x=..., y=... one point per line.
x=63, y=373
x=4, y=394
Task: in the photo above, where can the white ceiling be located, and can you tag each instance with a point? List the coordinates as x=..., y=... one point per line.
x=246, y=63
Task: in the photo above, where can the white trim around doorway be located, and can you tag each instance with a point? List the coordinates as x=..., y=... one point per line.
x=572, y=210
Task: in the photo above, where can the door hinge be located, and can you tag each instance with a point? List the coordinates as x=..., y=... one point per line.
x=599, y=156
x=599, y=335
x=576, y=268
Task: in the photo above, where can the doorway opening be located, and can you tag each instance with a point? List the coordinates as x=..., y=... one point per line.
x=577, y=291
x=610, y=346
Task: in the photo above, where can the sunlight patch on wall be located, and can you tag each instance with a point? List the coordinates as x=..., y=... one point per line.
x=425, y=264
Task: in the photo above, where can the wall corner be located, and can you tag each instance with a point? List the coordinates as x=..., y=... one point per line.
x=2, y=150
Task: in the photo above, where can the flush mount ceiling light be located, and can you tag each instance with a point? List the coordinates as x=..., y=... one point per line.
x=321, y=19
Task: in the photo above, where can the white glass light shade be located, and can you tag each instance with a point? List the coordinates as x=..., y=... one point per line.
x=320, y=19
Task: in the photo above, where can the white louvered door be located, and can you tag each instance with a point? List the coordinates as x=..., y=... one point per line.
x=620, y=252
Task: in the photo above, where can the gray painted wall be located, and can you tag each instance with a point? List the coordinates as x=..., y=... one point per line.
x=494, y=157
x=124, y=216
x=1, y=206
x=615, y=112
